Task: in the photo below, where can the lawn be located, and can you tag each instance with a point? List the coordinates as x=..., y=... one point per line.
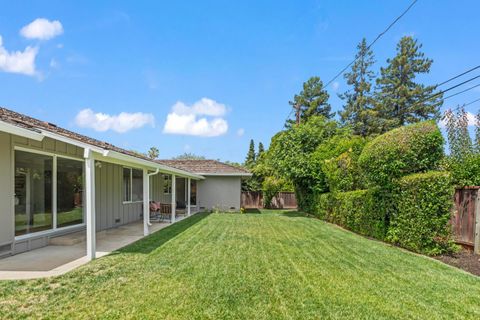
x=251, y=266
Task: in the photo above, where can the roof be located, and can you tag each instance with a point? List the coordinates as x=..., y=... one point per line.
x=207, y=167
x=36, y=126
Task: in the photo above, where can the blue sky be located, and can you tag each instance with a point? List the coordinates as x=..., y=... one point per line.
x=245, y=59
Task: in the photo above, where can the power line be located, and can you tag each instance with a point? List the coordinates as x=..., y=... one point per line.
x=373, y=42
x=368, y=47
x=458, y=76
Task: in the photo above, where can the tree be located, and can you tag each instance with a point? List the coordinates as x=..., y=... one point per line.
x=153, y=153
x=358, y=111
x=261, y=150
x=311, y=101
x=188, y=156
x=400, y=99
x=250, y=159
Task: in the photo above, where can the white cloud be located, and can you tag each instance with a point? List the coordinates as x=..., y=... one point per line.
x=22, y=62
x=42, y=29
x=183, y=119
x=120, y=123
x=335, y=85
x=240, y=132
x=54, y=63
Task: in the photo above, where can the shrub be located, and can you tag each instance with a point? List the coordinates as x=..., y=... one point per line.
x=405, y=150
x=271, y=186
x=361, y=211
x=421, y=222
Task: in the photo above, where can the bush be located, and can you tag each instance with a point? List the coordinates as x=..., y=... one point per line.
x=271, y=186
x=402, y=151
x=421, y=222
x=361, y=211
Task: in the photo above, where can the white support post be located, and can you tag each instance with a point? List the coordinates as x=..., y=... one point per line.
x=188, y=196
x=146, y=202
x=174, y=200
x=90, y=203
x=476, y=247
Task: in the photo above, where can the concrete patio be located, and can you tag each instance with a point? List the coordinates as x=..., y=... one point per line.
x=68, y=252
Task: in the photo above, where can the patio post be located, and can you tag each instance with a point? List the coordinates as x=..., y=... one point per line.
x=146, y=201
x=174, y=199
x=90, y=203
x=188, y=196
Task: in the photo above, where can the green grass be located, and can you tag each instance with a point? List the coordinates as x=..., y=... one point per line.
x=251, y=266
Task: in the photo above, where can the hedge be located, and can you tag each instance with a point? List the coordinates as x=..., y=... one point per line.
x=362, y=211
x=402, y=151
x=421, y=220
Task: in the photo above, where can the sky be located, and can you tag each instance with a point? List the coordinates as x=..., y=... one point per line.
x=205, y=77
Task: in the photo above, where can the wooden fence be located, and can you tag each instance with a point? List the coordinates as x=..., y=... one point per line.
x=466, y=217
x=254, y=199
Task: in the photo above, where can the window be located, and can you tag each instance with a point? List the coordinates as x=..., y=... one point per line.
x=132, y=185
x=167, y=184
x=69, y=192
x=193, y=192
x=33, y=192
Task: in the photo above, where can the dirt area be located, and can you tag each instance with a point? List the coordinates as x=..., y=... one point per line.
x=464, y=259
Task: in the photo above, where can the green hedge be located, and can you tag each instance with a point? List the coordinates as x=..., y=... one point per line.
x=402, y=151
x=421, y=220
x=362, y=211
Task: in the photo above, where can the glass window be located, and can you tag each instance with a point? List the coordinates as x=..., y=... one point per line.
x=137, y=185
x=33, y=192
x=193, y=192
x=127, y=184
x=69, y=192
x=167, y=184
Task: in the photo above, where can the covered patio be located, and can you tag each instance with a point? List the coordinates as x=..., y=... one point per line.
x=68, y=252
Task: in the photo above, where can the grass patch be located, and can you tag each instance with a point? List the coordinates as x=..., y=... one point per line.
x=272, y=265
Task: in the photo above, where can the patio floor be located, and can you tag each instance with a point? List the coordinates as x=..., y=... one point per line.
x=55, y=259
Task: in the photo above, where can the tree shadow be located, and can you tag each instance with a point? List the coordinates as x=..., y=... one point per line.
x=294, y=214
x=160, y=237
x=252, y=210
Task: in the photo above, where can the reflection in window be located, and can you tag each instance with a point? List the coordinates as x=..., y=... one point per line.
x=193, y=192
x=127, y=185
x=167, y=184
x=33, y=192
x=69, y=192
x=137, y=185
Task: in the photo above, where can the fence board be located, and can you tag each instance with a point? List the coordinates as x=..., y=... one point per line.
x=254, y=199
x=463, y=218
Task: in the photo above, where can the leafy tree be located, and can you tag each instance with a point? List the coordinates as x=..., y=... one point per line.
x=188, y=156
x=358, y=111
x=261, y=150
x=250, y=159
x=312, y=101
x=153, y=153
x=400, y=98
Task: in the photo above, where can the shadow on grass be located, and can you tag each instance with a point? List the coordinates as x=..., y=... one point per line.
x=160, y=237
x=252, y=210
x=294, y=214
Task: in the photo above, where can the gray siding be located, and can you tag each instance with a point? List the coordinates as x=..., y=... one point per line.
x=219, y=191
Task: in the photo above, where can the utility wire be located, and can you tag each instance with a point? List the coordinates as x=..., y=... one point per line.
x=458, y=76
x=368, y=47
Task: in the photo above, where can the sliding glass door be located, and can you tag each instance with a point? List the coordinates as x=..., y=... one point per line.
x=37, y=177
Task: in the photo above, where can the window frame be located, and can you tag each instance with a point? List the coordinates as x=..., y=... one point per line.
x=54, y=192
x=131, y=186
x=167, y=183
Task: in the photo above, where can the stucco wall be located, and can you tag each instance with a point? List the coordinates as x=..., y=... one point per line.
x=219, y=191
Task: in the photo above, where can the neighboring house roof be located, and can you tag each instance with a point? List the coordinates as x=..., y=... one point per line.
x=207, y=167
x=37, y=127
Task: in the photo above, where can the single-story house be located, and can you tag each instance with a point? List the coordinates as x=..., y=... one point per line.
x=56, y=182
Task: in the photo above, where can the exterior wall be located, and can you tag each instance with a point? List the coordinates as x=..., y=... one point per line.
x=8, y=245
x=219, y=191
x=110, y=210
x=156, y=189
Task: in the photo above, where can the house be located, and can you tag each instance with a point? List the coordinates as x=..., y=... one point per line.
x=57, y=182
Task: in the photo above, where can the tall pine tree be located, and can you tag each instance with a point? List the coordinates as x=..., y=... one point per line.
x=312, y=100
x=261, y=150
x=358, y=111
x=250, y=159
x=400, y=98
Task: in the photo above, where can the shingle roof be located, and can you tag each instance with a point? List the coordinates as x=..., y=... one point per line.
x=26, y=122
x=206, y=167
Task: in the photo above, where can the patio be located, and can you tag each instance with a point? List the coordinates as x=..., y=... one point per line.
x=68, y=252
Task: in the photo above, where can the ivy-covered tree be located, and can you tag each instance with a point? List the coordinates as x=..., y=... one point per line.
x=311, y=101
x=358, y=111
x=250, y=159
x=400, y=98
x=261, y=150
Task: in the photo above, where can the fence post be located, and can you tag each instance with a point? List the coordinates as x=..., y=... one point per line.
x=477, y=224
